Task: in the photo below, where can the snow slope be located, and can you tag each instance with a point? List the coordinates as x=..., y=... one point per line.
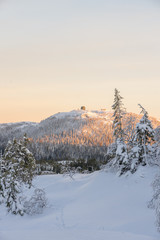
x=98, y=206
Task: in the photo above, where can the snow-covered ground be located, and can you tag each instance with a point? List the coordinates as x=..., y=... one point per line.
x=97, y=206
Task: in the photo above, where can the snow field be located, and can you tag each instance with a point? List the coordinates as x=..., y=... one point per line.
x=96, y=206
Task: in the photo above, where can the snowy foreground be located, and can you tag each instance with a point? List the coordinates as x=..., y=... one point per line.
x=97, y=206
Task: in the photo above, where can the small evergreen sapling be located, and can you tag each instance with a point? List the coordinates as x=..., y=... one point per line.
x=36, y=203
x=143, y=148
x=122, y=158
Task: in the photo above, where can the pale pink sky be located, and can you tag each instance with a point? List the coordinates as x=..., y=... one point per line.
x=59, y=55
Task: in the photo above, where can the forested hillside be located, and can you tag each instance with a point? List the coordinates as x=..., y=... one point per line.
x=79, y=134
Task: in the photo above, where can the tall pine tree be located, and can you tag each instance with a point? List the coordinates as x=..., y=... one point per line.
x=121, y=156
x=118, y=109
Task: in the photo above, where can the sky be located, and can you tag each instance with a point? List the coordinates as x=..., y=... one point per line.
x=58, y=55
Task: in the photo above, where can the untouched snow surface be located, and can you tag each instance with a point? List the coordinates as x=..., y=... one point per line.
x=97, y=206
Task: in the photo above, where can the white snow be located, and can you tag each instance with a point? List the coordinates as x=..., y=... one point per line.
x=83, y=114
x=96, y=206
x=72, y=114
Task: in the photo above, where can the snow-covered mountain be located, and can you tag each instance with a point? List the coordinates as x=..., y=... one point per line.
x=56, y=124
x=69, y=119
x=74, y=127
x=64, y=121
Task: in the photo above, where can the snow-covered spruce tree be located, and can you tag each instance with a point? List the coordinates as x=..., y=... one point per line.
x=17, y=153
x=13, y=189
x=122, y=160
x=29, y=162
x=2, y=179
x=119, y=111
x=142, y=149
x=121, y=156
x=19, y=173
